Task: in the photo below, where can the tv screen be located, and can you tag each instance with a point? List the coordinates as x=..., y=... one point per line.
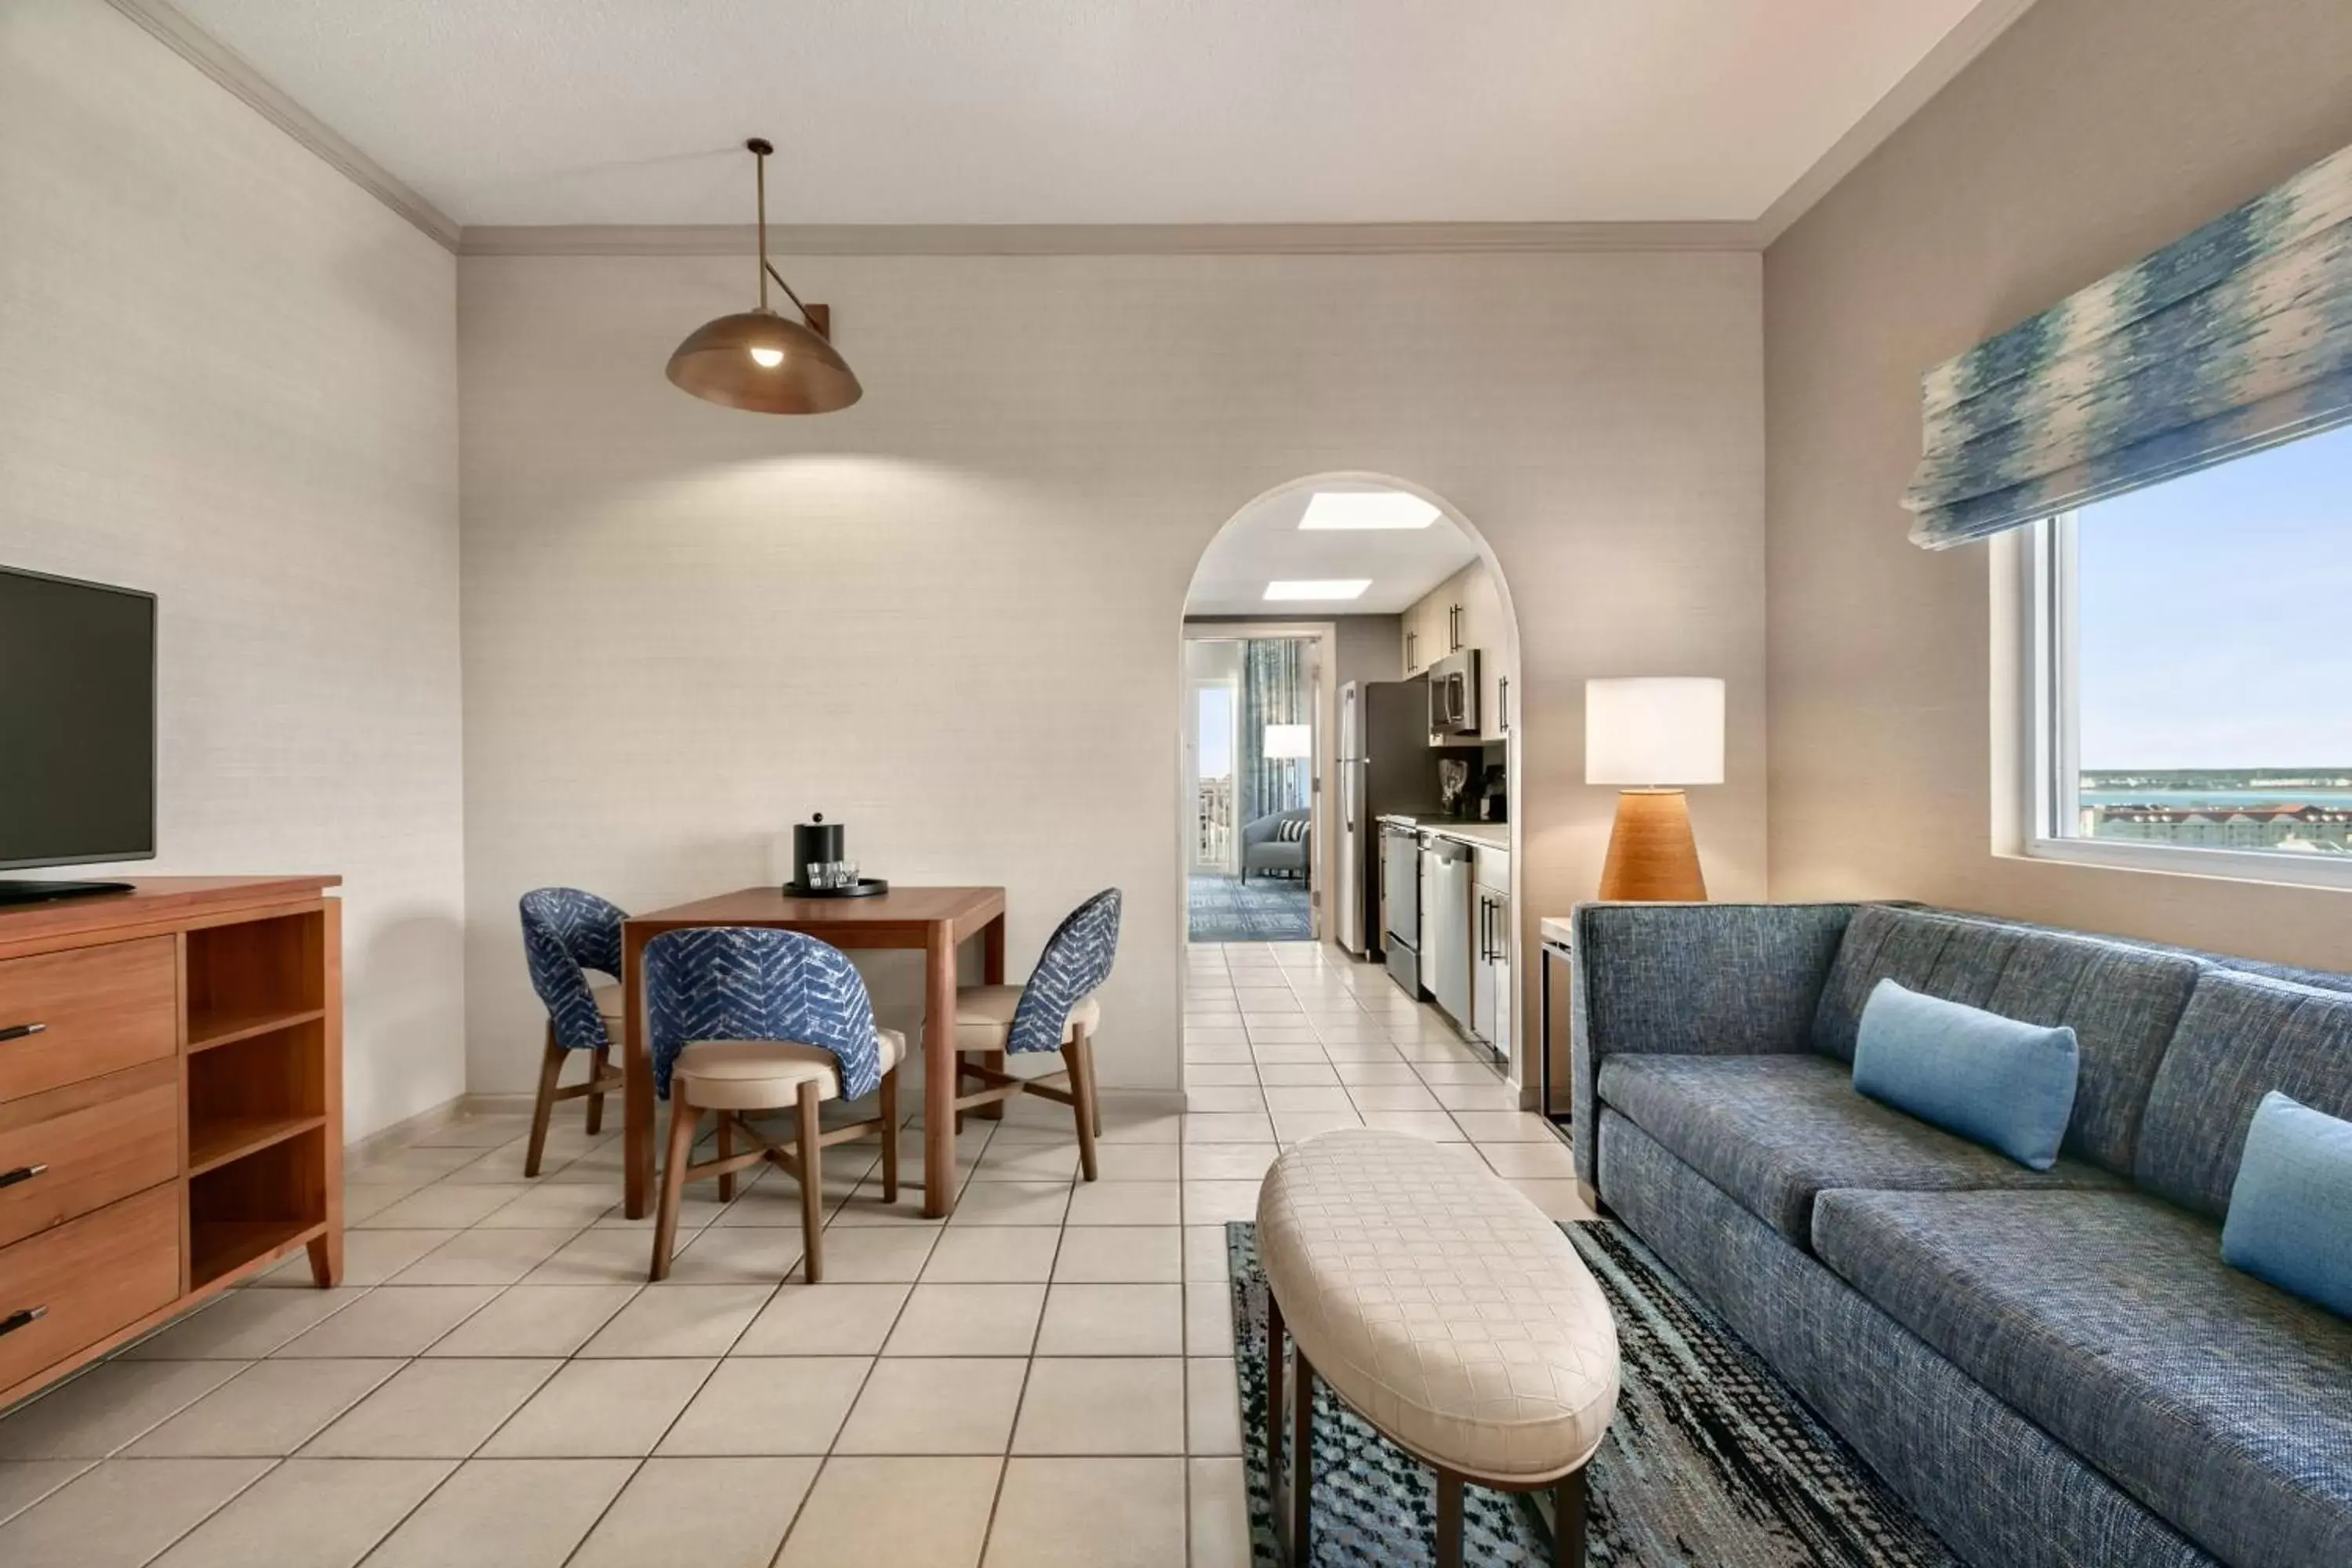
x=77, y=721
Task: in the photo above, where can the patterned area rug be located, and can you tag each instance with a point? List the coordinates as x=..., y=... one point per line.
x=1265, y=909
x=1710, y=1463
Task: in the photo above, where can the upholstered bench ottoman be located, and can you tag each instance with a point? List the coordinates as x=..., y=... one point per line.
x=1444, y=1309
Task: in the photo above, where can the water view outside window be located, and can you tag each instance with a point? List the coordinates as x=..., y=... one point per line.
x=2213, y=617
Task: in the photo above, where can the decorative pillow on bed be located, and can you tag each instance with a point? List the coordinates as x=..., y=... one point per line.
x=2290, y=1218
x=1993, y=1080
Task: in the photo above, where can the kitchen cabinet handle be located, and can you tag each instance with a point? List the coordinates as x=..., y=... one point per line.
x=15, y=1321
x=21, y=1031
x=22, y=1174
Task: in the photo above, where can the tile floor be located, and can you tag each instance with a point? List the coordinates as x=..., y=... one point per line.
x=1044, y=1379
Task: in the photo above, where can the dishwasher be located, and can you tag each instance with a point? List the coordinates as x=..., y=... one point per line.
x=1445, y=923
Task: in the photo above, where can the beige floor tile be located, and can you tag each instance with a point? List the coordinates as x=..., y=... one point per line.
x=515, y=1513
x=1113, y=1319
x=563, y=1205
x=395, y=1321
x=1334, y=1097
x=23, y=1482
x=1208, y=1318
x=1205, y=1255
x=267, y=1411
x=1299, y=1126
x=928, y=1512
x=1228, y=1161
x=1455, y=1072
x=763, y=1405
x=1089, y=1513
x=600, y=1258
x=1476, y=1096
x=536, y=1320
x=967, y=1321
x=1393, y=1097
x=309, y=1513
x=700, y=1207
x=866, y=1208
x=1237, y=1074
x=108, y=1407
x=1557, y=1199
x=1375, y=1074
x=993, y=1254
x=1340, y=1052
x=1127, y=1202
x=1546, y=1160
x=680, y=1321
x=1219, y=1053
x=1138, y=1162
x=1101, y=1406
x=1505, y=1127
x=830, y=1319
x=1007, y=1162
x=1213, y=1407
x=433, y=1409
x=1224, y=1097
x=370, y=1258
x=446, y=1206
x=409, y=1163
x=1435, y=1126
x=485, y=1257
x=1220, y=1513
x=241, y=1325
x=708, y=1512
x=1011, y=1202
x=1280, y=1048
x=593, y=1409
x=1218, y=1202
x=924, y=1404
x=1120, y=1255
x=734, y=1255
x=1299, y=1075
x=122, y=1513
x=1227, y=1129
x=868, y=1256
x=487, y=1131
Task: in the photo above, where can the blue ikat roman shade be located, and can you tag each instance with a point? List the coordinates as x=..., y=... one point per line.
x=2232, y=338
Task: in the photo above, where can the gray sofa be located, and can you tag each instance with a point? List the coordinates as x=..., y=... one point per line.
x=1265, y=850
x=2055, y=1368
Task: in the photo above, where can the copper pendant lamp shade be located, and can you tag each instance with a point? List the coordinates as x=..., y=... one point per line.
x=760, y=361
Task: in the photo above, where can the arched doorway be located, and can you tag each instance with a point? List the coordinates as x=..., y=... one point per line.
x=1386, y=590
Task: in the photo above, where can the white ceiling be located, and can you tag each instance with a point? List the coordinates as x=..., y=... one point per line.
x=1091, y=112
x=1265, y=543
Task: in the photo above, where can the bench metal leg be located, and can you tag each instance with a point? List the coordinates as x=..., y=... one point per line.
x=1449, y=1519
x=1275, y=1350
x=1568, y=1519
x=1302, y=1463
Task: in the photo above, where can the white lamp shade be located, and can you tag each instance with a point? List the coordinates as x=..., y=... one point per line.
x=1657, y=730
x=1289, y=743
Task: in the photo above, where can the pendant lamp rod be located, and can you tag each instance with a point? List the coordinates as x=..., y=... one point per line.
x=760, y=147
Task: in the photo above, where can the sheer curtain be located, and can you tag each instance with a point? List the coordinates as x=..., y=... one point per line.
x=1274, y=691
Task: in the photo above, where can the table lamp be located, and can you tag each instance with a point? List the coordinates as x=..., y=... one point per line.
x=1653, y=735
x=1289, y=743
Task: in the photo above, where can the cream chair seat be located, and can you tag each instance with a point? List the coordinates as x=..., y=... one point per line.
x=767, y=1075
x=984, y=1017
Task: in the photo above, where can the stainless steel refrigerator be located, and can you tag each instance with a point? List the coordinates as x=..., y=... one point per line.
x=1385, y=766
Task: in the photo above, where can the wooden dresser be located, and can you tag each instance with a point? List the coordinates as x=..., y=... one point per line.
x=171, y=1106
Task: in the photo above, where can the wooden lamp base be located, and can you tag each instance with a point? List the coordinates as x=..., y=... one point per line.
x=1652, y=855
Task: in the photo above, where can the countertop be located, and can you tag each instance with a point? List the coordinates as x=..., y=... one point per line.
x=1555, y=929
x=1485, y=835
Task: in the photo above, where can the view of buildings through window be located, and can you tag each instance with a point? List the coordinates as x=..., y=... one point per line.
x=2212, y=622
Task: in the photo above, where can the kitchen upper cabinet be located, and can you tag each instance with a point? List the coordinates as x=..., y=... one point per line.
x=1424, y=626
x=1465, y=611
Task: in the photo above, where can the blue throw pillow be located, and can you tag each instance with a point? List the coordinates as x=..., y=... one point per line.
x=2290, y=1217
x=1993, y=1080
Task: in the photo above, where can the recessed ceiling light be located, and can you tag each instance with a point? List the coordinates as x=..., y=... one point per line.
x=1367, y=509
x=1320, y=588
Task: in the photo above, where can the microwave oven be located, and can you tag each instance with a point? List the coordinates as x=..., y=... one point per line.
x=1453, y=694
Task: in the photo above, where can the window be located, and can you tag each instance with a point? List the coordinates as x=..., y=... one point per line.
x=2190, y=670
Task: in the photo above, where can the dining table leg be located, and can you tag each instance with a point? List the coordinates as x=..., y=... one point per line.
x=992, y=973
x=637, y=1088
x=938, y=1072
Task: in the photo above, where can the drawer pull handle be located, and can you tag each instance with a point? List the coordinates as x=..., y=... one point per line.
x=22, y=1174
x=21, y=1031
x=15, y=1321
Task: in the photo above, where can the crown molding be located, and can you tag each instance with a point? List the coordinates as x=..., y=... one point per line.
x=235, y=72
x=1953, y=54
x=1108, y=239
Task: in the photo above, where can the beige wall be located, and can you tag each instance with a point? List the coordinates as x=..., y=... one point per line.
x=2091, y=133
x=227, y=374
x=948, y=616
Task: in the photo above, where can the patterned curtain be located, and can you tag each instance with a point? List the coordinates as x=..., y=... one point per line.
x=2235, y=338
x=1274, y=691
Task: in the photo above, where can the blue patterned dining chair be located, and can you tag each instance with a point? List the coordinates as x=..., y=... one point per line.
x=566, y=933
x=743, y=1020
x=1055, y=1011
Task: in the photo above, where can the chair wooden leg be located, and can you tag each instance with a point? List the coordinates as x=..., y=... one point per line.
x=603, y=1062
x=550, y=1068
x=993, y=1111
x=1568, y=1519
x=812, y=1186
x=683, y=1121
x=890, y=1136
x=1449, y=1519
x=727, y=1151
x=1080, y=1054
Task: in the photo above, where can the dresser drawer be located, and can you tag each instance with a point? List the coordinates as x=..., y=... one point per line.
x=99, y=1010
x=80, y=1148
x=75, y=1285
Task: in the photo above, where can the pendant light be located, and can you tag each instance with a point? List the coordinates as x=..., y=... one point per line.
x=761, y=361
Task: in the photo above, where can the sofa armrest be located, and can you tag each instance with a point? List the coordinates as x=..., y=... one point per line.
x=1258, y=829
x=1691, y=980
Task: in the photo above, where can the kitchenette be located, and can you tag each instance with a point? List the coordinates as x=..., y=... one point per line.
x=1446, y=903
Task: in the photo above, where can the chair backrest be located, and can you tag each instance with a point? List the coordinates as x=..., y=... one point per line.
x=1076, y=962
x=565, y=931
x=746, y=983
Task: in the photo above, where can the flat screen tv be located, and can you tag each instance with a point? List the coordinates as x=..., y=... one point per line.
x=77, y=728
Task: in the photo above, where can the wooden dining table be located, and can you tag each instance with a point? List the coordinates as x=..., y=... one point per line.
x=935, y=921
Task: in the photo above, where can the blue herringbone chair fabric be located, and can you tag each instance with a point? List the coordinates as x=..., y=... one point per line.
x=565, y=931
x=743, y=983
x=1077, y=961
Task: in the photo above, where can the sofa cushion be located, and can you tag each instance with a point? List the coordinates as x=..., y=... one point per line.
x=1773, y=1132
x=1993, y=1080
x=2241, y=1037
x=2110, y=1321
x=2121, y=1001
